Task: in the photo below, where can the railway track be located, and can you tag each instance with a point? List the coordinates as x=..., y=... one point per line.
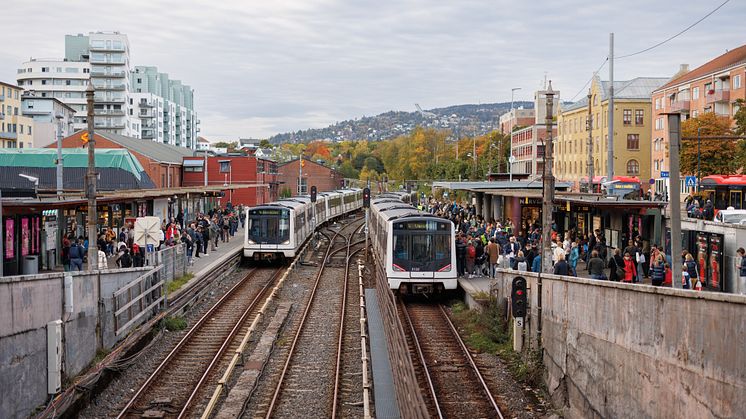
x=176, y=385
x=314, y=357
x=452, y=384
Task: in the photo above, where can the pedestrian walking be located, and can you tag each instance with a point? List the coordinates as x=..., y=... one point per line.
x=630, y=268
x=77, y=252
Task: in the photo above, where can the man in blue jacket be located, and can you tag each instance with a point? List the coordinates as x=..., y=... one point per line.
x=77, y=252
x=536, y=265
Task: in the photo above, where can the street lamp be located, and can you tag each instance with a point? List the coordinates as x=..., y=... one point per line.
x=699, y=141
x=512, y=92
x=60, y=187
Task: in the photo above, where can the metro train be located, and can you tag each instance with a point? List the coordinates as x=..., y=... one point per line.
x=417, y=249
x=277, y=230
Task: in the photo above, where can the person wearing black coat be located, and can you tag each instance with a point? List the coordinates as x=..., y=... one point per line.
x=616, y=261
x=562, y=267
x=460, y=255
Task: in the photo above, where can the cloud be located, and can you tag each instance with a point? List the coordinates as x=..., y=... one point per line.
x=259, y=68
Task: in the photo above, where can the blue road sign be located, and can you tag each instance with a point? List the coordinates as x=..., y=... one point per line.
x=691, y=181
x=664, y=174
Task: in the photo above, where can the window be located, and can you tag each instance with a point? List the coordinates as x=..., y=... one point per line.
x=45, y=69
x=86, y=70
x=657, y=103
x=21, y=128
x=29, y=130
x=633, y=141
x=43, y=82
x=225, y=166
x=695, y=113
x=139, y=80
x=695, y=93
x=302, y=186
x=627, y=117
x=737, y=82
x=656, y=165
x=639, y=116
x=633, y=167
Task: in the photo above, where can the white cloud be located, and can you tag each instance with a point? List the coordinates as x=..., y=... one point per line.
x=259, y=68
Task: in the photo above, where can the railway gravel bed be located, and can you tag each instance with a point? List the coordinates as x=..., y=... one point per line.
x=117, y=393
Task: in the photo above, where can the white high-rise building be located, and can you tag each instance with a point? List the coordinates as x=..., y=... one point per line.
x=139, y=103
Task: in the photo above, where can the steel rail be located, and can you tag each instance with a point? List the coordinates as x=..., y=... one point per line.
x=171, y=355
x=226, y=343
x=474, y=367
x=421, y=355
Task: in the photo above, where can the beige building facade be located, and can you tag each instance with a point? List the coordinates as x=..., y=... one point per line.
x=632, y=128
x=16, y=130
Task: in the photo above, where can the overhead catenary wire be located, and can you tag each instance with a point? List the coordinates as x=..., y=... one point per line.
x=674, y=36
x=582, y=89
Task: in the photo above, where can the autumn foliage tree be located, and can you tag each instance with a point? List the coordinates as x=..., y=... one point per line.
x=715, y=156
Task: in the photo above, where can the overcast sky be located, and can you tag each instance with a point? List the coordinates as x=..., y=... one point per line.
x=264, y=67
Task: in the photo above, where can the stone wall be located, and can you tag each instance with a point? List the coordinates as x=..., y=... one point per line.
x=624, y=350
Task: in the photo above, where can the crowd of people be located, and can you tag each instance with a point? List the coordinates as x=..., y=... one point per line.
x=483, y=245
x=199, y=236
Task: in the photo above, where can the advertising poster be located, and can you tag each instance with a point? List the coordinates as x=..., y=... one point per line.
x=9, y=239
x=37, y=235
x=25, y=236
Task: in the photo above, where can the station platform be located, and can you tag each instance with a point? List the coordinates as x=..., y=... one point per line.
x=225, y=251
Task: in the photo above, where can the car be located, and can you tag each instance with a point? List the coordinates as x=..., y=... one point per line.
x=731, y=216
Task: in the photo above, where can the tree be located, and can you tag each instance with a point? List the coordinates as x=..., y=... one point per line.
x=715, y=156
x=740, y=129
x=265, y=144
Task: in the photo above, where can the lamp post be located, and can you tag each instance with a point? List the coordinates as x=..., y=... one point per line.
x=699, y=141
x=91, y=183
x=512, y=91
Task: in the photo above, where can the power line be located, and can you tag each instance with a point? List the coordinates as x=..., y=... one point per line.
x=590, y=79
x=675, y=36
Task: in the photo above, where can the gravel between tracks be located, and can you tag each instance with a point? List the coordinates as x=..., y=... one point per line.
x=117, y=393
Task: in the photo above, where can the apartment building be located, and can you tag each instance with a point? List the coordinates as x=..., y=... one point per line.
x=527, y=143
x=16, y=130
x=712, y=87
x=51, y=117
x=632, y=124
x=516, y=118
x=104, y=59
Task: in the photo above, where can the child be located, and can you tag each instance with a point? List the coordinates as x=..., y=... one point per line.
x=686, y=281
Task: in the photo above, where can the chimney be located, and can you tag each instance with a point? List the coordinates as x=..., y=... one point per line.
x=683, y=69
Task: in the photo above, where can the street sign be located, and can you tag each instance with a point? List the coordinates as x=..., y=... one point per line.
x=664, y=174
x=511, y=159
x=691, y=181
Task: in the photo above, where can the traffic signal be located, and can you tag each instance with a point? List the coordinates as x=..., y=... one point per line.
x=366, y=198
x=519, y=297
x=302, y=163
x=84, y=138
x=313, y=193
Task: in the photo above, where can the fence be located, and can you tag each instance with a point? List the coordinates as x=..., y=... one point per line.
x=173, y=261
x=138, y=298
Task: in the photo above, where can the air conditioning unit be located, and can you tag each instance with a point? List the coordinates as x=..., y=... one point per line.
x=54, y=356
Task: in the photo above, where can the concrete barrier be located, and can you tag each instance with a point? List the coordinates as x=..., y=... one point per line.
x=616, y=350
x=27, y=304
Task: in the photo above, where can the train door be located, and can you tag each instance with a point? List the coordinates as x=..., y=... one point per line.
x=736, y=199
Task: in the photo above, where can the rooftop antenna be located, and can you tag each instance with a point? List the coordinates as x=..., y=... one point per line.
x=545, y=81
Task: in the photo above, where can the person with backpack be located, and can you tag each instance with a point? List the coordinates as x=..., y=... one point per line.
x=471, y=254
x=125, y=261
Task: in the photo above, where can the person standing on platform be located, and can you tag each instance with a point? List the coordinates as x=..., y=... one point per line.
x=616, y=266
x=630, y=268
x=658, y=271
x=77, y=252
x=741, y=270
x=493, y=251
x=596, y=266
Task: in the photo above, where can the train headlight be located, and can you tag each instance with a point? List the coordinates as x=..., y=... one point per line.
x=250, y=241
x=397, y=268
x=286, y=242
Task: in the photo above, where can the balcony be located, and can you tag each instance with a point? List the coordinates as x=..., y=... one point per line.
x=165, y=118
x=109, y=48
x=680, y=106
x=144, y=104
x=108, y=125
x=8, y=135
x=106, y=60
x=103, y=73
x=145, y=114
x=718, y=96
x=109, y=112
x=109, y=86
x=148, y=135
x=108, y=99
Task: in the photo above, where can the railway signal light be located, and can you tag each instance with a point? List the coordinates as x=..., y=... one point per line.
x=519, y=297
x=366, y=198
x=313, y=193
x=84, y=138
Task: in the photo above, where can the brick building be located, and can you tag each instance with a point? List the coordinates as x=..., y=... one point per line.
x=314, y=174
x=715, y=86
x=234, y=170
x=162, y=162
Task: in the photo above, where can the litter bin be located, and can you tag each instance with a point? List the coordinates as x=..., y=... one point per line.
x=30, y=265
x=52, y=259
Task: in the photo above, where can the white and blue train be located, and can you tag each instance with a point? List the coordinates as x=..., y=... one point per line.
x=416, y=248
x=278, y=230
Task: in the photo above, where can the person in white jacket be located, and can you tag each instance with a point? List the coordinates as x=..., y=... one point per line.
x=103, y=262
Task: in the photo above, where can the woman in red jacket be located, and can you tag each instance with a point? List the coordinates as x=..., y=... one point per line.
x=630, y=270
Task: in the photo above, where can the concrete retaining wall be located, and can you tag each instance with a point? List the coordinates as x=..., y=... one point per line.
x=617, y=350
x=27, y=304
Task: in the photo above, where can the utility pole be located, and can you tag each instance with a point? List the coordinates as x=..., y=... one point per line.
x=547, y=202
x=300, y=173
x=674, y=202
x=610, y=151
x=60, y=186
x=590, y=145
x=91, y=184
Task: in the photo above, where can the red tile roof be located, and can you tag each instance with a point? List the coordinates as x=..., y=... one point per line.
x=729, y=59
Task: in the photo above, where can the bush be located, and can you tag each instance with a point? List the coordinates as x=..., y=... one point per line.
x=174, y=323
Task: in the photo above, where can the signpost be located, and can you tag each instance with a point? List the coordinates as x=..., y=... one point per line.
x=691, y=181
x=665, y=174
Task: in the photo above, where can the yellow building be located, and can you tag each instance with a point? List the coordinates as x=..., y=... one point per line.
x=632, y=131
x=16, y=130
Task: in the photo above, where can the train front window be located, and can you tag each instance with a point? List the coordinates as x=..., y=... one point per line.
x=421, y=246
x=269, y=226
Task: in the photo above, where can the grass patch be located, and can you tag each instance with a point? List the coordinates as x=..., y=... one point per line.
x=486, y=331
x=100, y=355
x=174, y=323
x=177, y=283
